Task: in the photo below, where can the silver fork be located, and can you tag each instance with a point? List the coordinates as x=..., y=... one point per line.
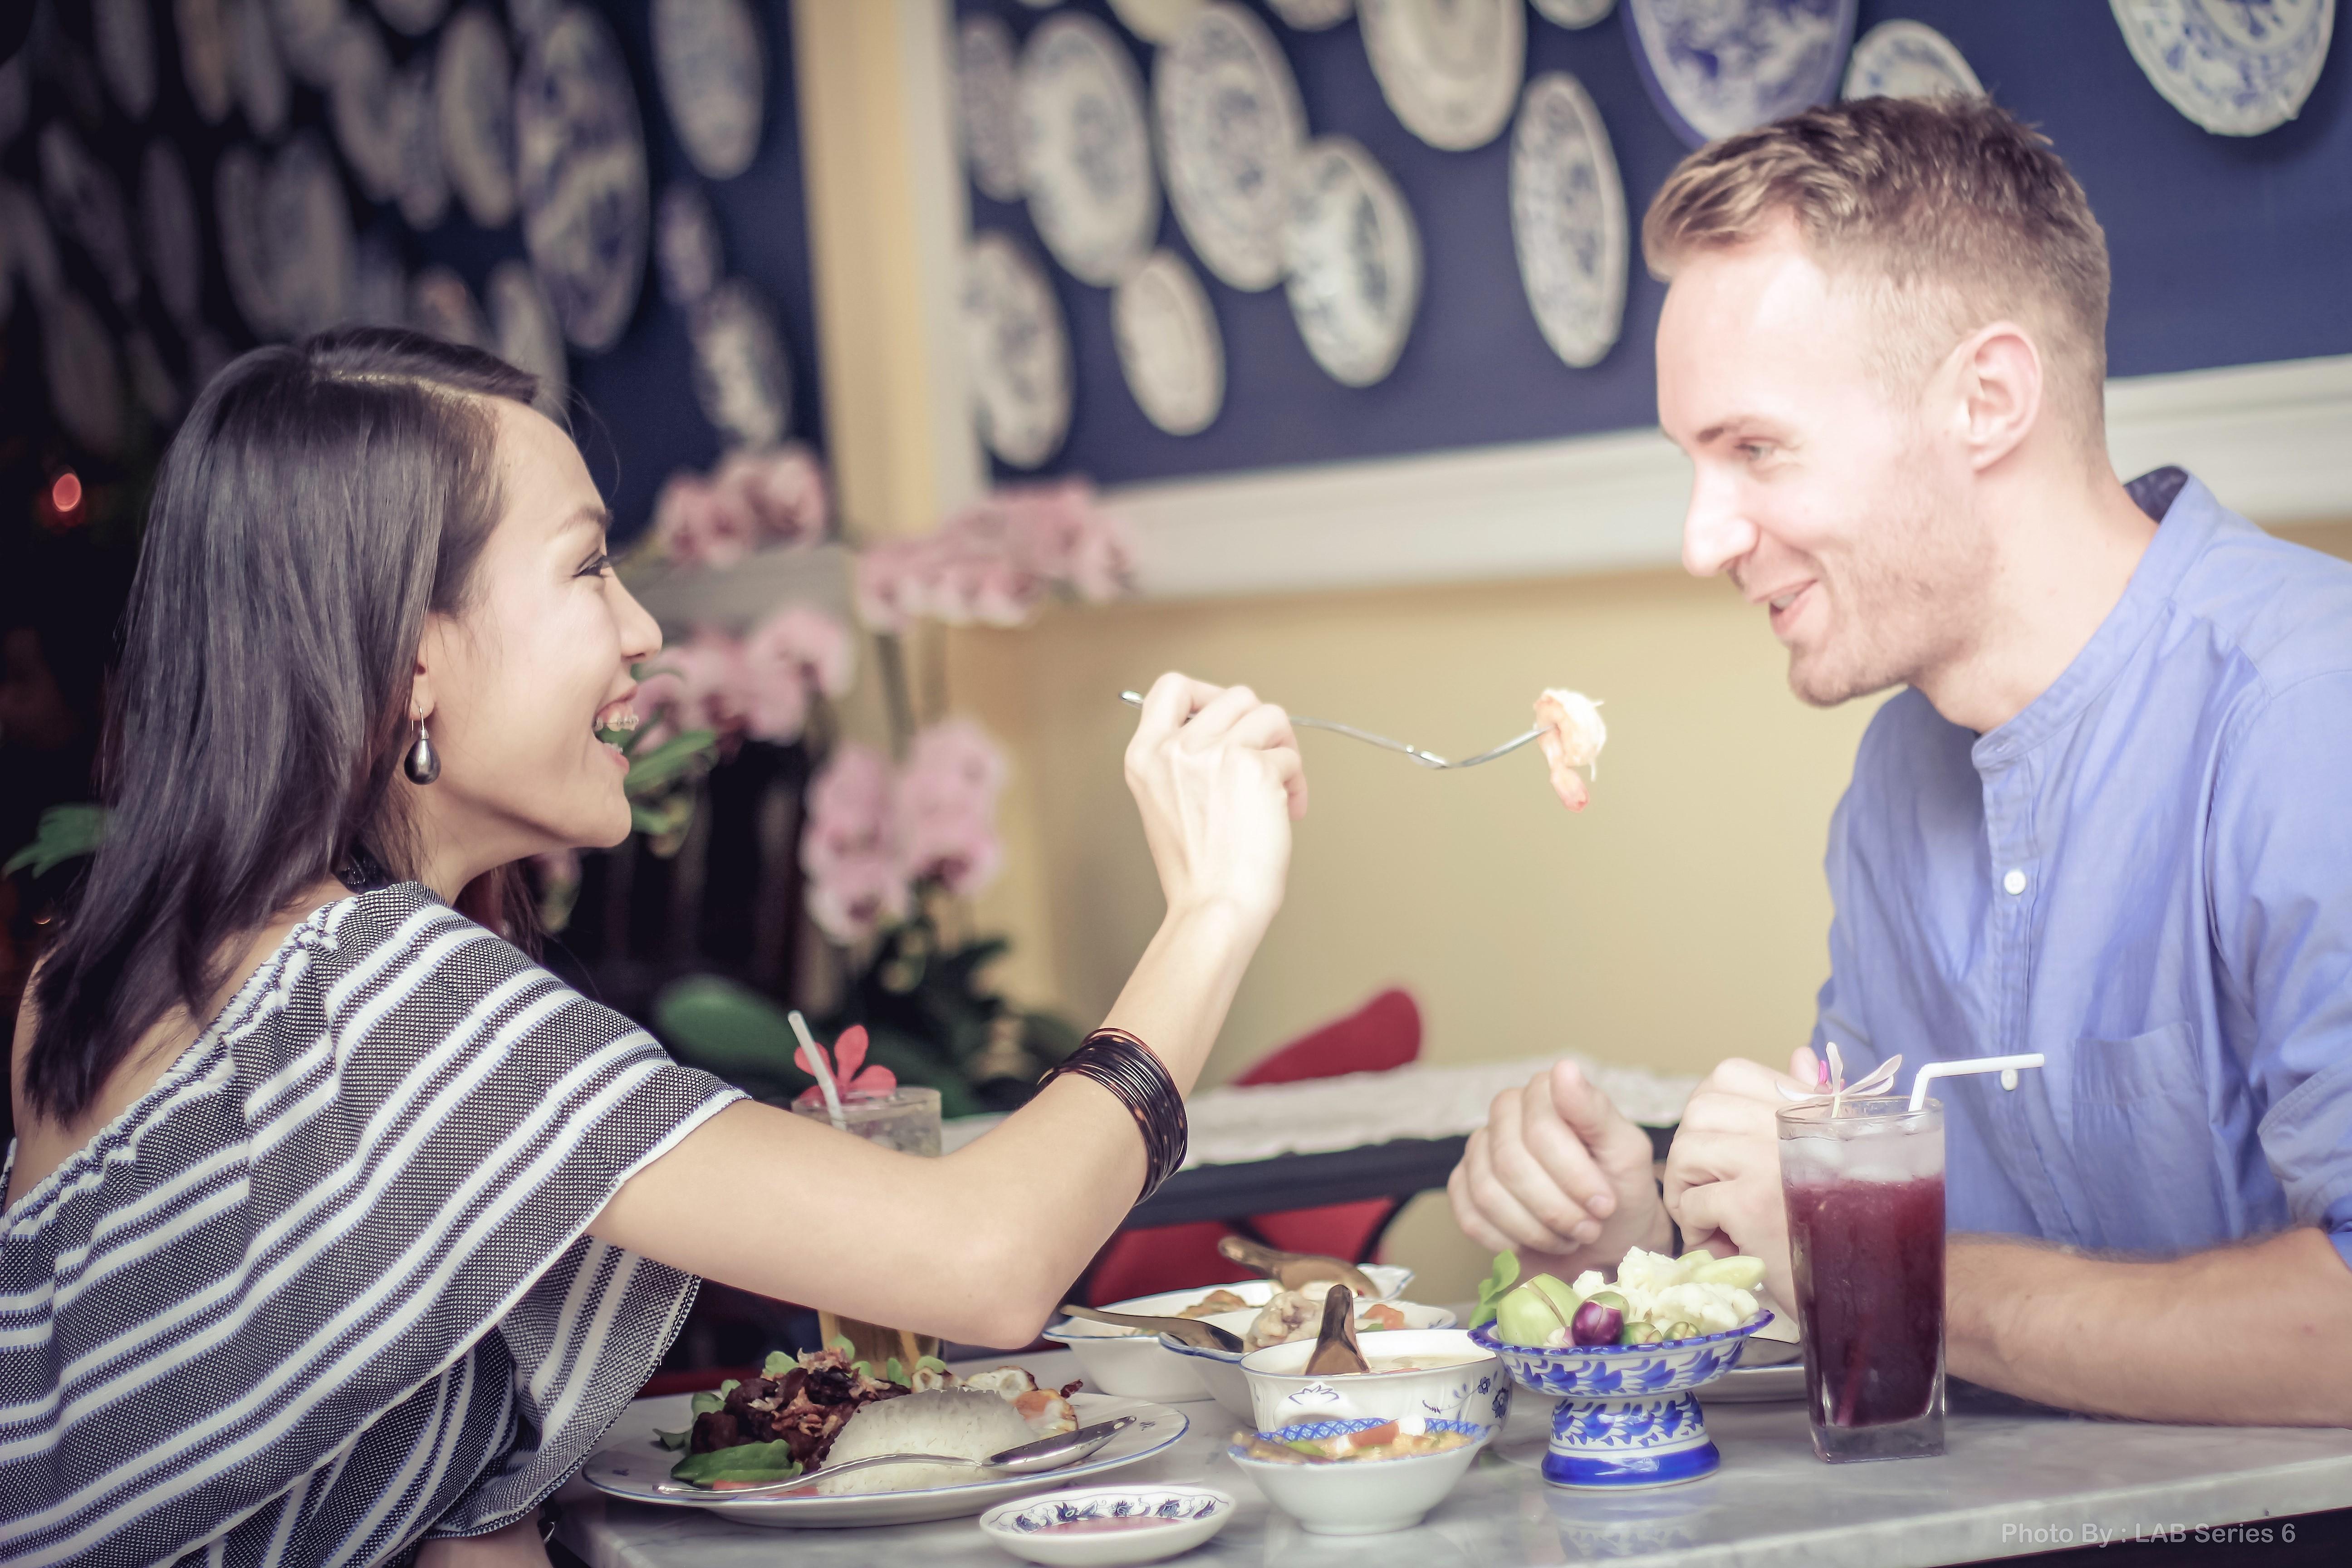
x=1427, y=759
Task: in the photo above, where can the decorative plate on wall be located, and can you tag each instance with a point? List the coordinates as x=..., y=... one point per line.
x=1713, y=67
x=1354, y=257
x=1313, y=16
x=440, y=304
x=988, y=105
x=150, y=379
x=413, y=17
x=1450, y=68
x=579, y=173
x=2238, y=67
x=359, y=109
x=714, y=77
x=32, y=251
x=1017, y=352
x=1169, y=345
x=238, y=180
x=206, y=48
x=1085, y=151
x=306, y=224
x=1908, y=59
x=742, y=377
x=126, y=53
x=1157, y=21
x=1230, y=125
x=169, y=226
x=423, y=189
x=1573, y=13
x=379, y=281
x=524, y=328
x=473, y=86
x=87, y=203
x=1568, y=219
x=262, y=90
x=84, y=382
x=687, y=254
x=309, y=36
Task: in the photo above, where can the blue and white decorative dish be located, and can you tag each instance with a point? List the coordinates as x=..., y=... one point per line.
x=1169, y=346
x=360, y=112
x=85, y=201
x=1039, y=1530
x=309, y=216
x=2238, y=67
x=1086, y=149
x=262, y=90
x=310, y=33
x=579, y=173
x=1568, y=219
x=1157, y=21
x=423, y=189
x=126, y=53
x=988, y=106
x=379, y=281
x=688, y=256
x=1573, y=13
x=1449, y=69
x=473, y=86
x=169, y=225
x=1443, y=1376
x=1220, y=1371
x=238, y=179
x=1908, y=59
x=1627, y=1416
x=84, y=376
x=742, y=376
x=1017, y=351
x=1313, y=16
x=714, y=72
x=1353, y=254
x=1231, y=124
x=206, y=48
x=1365, y=1496
x=523, y=327
x=413, y=17
x=1715, y=66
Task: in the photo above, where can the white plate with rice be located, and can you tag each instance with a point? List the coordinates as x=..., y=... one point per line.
x=630, y=1464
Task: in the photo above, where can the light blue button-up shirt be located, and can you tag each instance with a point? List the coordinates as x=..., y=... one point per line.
x=2146, y=876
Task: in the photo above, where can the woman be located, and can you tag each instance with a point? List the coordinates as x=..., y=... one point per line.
x=333, y=1223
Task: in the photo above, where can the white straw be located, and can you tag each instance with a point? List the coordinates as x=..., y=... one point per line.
x=821, y=1069
x=2005, y=1065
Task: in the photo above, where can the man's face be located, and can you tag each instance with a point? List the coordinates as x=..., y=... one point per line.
x=1826, y=495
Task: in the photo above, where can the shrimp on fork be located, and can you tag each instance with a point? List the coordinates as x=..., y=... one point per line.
x=1572, y=737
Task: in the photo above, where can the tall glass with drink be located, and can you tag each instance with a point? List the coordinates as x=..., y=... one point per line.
x=906, y=1120
x=1864, y=1186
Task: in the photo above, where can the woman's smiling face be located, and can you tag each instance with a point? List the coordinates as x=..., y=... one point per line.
x=515, y=686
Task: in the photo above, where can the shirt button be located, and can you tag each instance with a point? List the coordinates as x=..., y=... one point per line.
x=2014, y=883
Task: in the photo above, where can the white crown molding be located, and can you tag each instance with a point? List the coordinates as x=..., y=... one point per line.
x=2269, y=439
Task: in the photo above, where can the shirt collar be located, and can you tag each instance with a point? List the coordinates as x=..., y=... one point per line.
x=2189, y=515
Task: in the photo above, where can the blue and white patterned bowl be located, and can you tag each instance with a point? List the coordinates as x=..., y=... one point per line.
x=1626, y=1417
x=1192, y=1515
x=1370, y=1496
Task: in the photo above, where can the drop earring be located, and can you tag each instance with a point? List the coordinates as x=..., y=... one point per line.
x=423, y=763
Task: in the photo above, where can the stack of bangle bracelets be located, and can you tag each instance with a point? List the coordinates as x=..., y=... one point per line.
x=1127, y=1067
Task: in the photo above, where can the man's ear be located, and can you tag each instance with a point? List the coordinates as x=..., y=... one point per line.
x=1999, y=386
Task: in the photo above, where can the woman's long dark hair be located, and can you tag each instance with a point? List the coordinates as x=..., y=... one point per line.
x=319, y=502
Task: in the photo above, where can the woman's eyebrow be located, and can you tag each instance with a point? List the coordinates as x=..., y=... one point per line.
x=599, y=518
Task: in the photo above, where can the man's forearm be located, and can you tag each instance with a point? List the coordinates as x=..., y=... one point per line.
x=2253, y=1335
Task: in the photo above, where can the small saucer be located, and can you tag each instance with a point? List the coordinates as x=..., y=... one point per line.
x=1188, y=1516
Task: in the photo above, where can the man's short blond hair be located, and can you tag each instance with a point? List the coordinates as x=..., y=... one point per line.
x=1952, y=214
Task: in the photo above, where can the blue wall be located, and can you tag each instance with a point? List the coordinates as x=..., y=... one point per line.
x=2227, y=250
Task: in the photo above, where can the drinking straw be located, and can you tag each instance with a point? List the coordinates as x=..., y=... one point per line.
x=821, y=1067
x=2005, y=1065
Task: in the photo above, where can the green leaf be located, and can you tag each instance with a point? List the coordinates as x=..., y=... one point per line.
x=1495, y=1285
x=929, y=1363
x=778, y=1364
x=706, y=1402
x=65, y=831
x=728, y=1029
x=841, y=1343
x=746, y=1464
x=894, y=1371
x=672, y=1441
x=674, y=759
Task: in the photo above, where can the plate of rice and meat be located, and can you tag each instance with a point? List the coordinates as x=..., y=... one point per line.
x=820, y=1409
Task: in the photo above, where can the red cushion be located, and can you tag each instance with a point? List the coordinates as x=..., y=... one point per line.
x=1384, y=1032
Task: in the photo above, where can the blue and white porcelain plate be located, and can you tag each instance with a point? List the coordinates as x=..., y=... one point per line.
x=206, y=48
x=238, y=176
x=1230, y=125
x=173, y=238
x=1313, y=16
x=1715, y=66
x=2238, y=67
x=413, y=17
x=1449, y=69
x=742, y=377
x=1354, y=257
x=473, y=87
x=358, y=109
x=523, y=329
x=988, y=105
x=1908, y=59
x=714, y=77
x=262, y=90
x=1017, y=352
x=85, y=201
x=1086, y=149
x=126, y=53
x=307, y=221
x=309, y=35
x=1169, y=346
x=1157, y=21
x=1573, y=13
x=1568, y=219
x=422, y=185
x=688, y=256
x=1037, y=1528
x=85, y=380
x=580, y=174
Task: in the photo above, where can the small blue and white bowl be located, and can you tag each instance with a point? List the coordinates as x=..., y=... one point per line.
x=1626, y=1417
x=1184, y=1518
x=1221, y=1374
x=1361, y=1497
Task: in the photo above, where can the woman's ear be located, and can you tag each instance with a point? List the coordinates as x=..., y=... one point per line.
x=431, y=659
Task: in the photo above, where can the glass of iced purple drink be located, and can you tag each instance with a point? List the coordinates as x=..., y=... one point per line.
x=1864, y=1188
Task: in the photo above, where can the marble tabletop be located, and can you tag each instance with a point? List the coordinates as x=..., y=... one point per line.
x=2011, y=1483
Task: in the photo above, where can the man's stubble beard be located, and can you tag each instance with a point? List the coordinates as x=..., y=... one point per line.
x=1908, y=599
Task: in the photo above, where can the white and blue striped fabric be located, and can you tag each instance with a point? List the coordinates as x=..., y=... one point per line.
x=326, y=1290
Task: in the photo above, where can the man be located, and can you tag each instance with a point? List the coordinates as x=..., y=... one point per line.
x=2110, y=819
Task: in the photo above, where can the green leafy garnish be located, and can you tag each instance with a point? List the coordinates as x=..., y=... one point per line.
x=894, y=1371
x=746, y=1464
x=841, y=1343
x=929, y=1363
x=706, y=1402
x=778, y=1364
x=672, y=1441
x=1495, y=1285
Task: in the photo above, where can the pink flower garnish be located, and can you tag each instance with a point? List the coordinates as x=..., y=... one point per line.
x=846, y=1060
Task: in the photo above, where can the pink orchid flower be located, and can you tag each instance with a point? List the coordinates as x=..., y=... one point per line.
x=850, y=1075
